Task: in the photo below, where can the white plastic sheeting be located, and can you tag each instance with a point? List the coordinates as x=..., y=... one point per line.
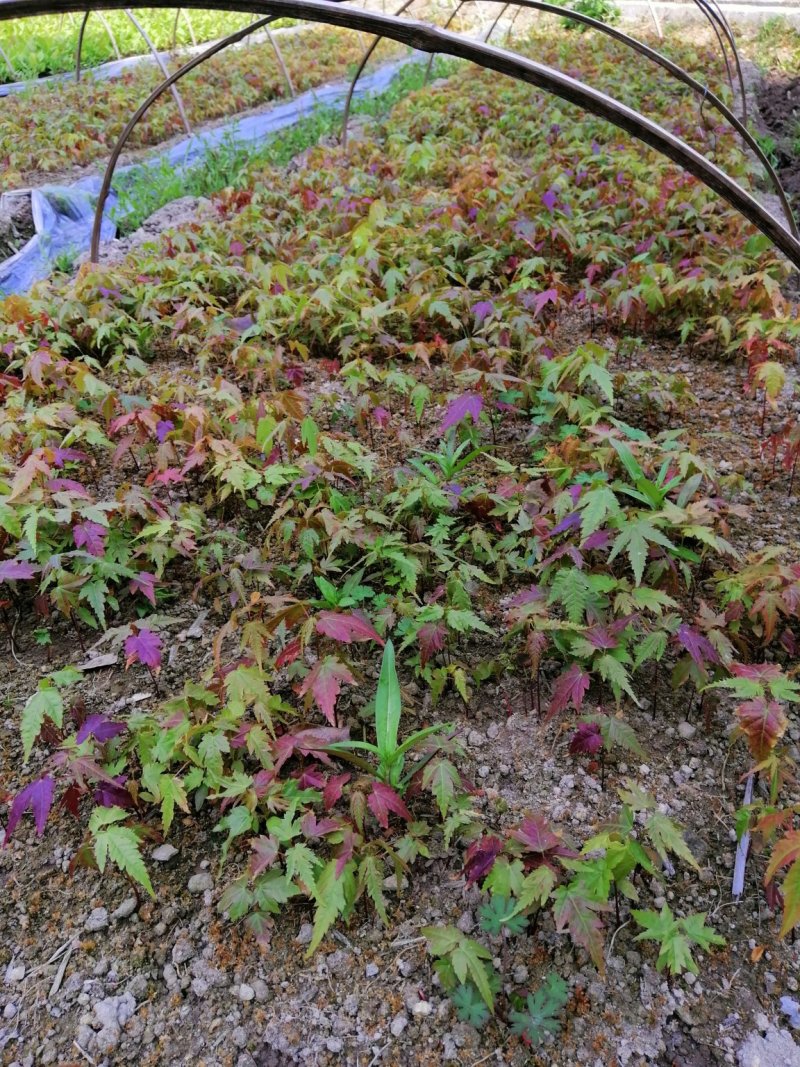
x=63, y=215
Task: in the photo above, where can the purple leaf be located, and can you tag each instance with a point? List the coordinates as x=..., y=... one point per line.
x=467, y=404
x=143, y=646
x=144, y=583
x=113, y=794
x=381, y=416
x=587, y=738
x=699, y=647
x=67, y=455
x=480, y=857
x=91, y=536
x=431, y=639
x=99, y=727
x=481, y=310
x=38, y=796
x=549, y=199
x=164, y=427
x=16, y=570
x=549, y=296
x=570, y=688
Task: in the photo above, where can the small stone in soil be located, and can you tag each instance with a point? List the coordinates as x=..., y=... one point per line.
x=164, y=853
x=98, y=920
x=199, y=883
x=125, y=910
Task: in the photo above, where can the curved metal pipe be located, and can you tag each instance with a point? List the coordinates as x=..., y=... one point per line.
x=176, y=96
x=427, y=38
x=168, y=82
x=645, y=50
x=360, y=70
x=728, y=31
x=713, y=24
x=110, y=32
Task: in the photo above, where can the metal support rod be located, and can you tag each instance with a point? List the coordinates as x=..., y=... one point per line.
x=176, y=96
x=656, y=22
x=427, y=38
x=287, y=77
x=7, y=62
x=168, y=82
x=726, y=29
x=110, y=32
x=450, y=18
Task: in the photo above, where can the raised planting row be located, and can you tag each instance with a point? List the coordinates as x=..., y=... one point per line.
x=36, y=48
x=55, y=127
x=376, y=417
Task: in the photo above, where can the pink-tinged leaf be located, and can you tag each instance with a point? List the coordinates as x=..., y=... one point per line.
x=164, y=427
x=265, y=852
x=169, y=476
x=100, y=728
x=598, y=539
x=382, y=800
x=17, y=570
x=313, y=827
x=481, y=310
x=303, y=742
x=311, y=778
x=580, y=916
x=346, y=628
x=532, y=595
x=38, y=796
x=536, y=835
x=68, y=485
x=549, y=199
x=549, y=296
x=289, y=653
x=699, y=647
x=324, y=681
x=757, y=672
x=468, y=404
x=381, y=416
x=587, y=739
x=144, y=583
x=570, y=688
x=480, y=857
x=431, y=639
x=346, y=851
x=334, y=787
x=762, y=722
x=143, y=646
x=91, y=536
x=67, y=455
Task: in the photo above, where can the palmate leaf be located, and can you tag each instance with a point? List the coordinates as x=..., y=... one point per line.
x=46, y=703
x=370, y=878
x=331, y=900
x=573, y=911
x=464, y=955
x=635, y=539
x=501, y=913
x=676, y=937
x=763, y=723
x=666, y=837
x=324, y=681
x=469, y=1005
x=570, y=688
x=541, y=1011
x=119, y=843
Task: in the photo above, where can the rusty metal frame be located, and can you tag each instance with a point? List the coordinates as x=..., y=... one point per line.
x=705, y=94
x=427, y=38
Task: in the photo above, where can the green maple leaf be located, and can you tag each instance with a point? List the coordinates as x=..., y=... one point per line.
x=541, y=1010
x=46, y=703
